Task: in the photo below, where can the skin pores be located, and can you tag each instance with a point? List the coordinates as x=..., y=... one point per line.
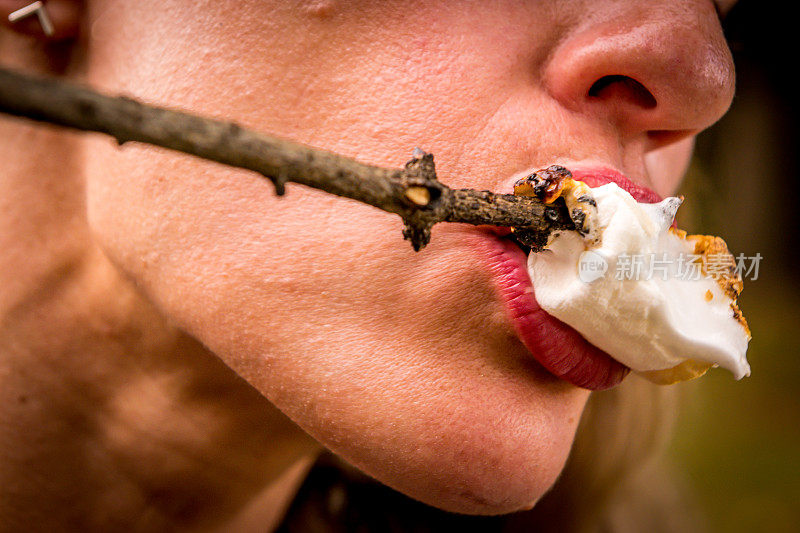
x=404, y=363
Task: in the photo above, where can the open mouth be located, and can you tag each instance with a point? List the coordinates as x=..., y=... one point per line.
x=556, y=346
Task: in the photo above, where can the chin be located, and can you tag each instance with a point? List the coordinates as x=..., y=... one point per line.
x=493, y=488
x=489, y=458
x=495, y=503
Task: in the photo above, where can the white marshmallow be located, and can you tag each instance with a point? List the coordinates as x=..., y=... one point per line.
x=651, y=323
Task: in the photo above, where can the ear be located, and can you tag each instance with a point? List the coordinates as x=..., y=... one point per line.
x=63, y=15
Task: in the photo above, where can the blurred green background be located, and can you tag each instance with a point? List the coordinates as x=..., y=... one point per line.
x=738, y=443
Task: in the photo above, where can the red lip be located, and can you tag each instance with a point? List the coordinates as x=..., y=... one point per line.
x=555, y=345
x=594, y=177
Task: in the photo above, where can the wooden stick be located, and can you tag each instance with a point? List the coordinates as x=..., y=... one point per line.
x=413, y=192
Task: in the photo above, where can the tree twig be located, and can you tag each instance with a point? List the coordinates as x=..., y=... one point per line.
x=413, y=192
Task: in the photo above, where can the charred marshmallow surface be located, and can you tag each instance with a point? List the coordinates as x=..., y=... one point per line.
x=638, y=289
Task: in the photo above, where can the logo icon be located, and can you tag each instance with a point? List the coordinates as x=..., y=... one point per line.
x=591, y=266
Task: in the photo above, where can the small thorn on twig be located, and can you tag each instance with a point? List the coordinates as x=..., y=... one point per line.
x=280, y=183
x=418, y=234
x=413, y=192
x=421, y=166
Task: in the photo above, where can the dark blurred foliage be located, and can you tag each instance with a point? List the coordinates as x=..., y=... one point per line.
x=738, y=443
x=751, y=154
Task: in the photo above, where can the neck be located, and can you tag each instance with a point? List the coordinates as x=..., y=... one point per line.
x=110, y=416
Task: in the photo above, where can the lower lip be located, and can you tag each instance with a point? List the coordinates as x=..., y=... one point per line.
x=555, y=345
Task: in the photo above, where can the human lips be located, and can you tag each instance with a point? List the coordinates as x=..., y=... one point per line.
x=556, y=346
x=596, y=176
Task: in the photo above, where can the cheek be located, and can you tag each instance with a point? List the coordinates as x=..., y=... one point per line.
x=209, y=244
x=171, y=221
x=666, y=166
x=403, y=363
x=400, y=362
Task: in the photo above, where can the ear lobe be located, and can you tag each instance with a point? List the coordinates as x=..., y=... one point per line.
x=64, y=18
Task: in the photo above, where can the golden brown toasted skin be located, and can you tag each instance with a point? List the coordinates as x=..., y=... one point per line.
x=556, y=182
x=725, y=273
x=711, y=250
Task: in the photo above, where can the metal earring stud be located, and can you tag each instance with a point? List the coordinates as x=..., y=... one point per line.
x=38, y=9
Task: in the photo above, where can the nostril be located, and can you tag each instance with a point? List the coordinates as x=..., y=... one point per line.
x=624, y=87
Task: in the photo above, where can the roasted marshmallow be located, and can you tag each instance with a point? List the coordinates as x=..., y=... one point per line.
x=650, y=296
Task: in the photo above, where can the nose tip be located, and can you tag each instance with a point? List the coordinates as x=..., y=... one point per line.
x=663, y=72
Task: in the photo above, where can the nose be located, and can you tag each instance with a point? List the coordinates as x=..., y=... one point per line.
x=657, y=69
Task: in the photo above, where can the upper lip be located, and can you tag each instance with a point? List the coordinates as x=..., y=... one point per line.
x=595, y=175
x=559, y=348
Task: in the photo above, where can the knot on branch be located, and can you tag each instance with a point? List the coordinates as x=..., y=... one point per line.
x=421, y=164
x=422, y=192
x=413, y=192
x=421, y=187
x=535, y=237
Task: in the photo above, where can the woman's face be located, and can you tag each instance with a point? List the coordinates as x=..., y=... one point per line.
x=419, y=368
